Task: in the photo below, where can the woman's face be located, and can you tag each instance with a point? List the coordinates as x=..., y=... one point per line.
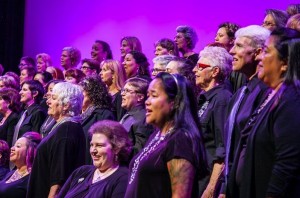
x=130, y=97
x=39, y=77
x=86, y=101
x=54, y=108
x=222, y=37
x=26, y=95
x=130, y=66
x=270, y=67
x=125, y=48
x=24, y=76
x=71, y=79
x=18, y=152
x=97, y=52
x=41, y=65
x=3, y=105
x=158, y=106
x=106, y=75
x=65, y=60
x=102, y=152
x=49, y=91
x=203, y=73
x=180, y=41
x=159, y=51
x=269, y=22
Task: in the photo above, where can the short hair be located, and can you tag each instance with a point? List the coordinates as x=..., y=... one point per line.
x=15, y=76
x=5, y=152
x=293, y=9
x=142, y=61
x=31, y=71
x=257, y=34
x=33, y=140
x=280, y=17
x=230, y=28
x=56, y=73
x=46, y=76
x=29, y=61
x=118, y=71
x=35, y=86
x=45, y=57
x=106, y=48
x=189, y=34
x=133, y=42
x=75, y=55
x=96, y=91
x=12, y=97
x=163, y=60
x=75, y=73
x=140, y=85
x=95, y=65
x=69, y=94
x=118, y=138
x=9, y=82
x=218, y=57
x=168, y=44
x=294, y=22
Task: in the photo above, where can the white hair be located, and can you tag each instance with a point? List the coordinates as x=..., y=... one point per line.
x=256, y=33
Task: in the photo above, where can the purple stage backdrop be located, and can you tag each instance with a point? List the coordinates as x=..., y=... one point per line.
x=51, y=25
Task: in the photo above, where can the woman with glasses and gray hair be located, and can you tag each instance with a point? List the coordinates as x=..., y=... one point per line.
x=63, y=149
x=213, y=68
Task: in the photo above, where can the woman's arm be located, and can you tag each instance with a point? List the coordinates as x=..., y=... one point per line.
x=215, y=175
x=54, y=190
x=182, y=174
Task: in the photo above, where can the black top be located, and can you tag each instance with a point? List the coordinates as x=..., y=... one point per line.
x=254, y=95
x=237, y=80
x=152, y=177
x=139, y=131
x=116, y=106
x=8, y=127
x=34, y=119
x=58, y=155
x=95, y=116
x=212, y=122
x=272, y=157
x=80, y=184
x=16, y=189
x=193, y=58
x=3, y=171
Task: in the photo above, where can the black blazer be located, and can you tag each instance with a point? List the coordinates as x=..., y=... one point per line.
x=33, y=121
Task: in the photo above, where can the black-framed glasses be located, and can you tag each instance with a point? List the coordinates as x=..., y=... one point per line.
x=267, y=23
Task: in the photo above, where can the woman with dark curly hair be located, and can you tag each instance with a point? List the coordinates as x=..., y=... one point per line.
x=136, y=65
x=96, y=106
x=106, y=177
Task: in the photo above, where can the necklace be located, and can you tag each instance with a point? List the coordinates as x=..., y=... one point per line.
x=203, y=108
x=17, y=175
x=147, y=151
x=100, y=176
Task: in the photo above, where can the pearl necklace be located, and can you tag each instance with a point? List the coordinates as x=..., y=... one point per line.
x=147, y=151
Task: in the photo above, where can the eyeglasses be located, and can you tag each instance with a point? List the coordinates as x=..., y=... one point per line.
x=266, y=23
x=203, y=66
x=158, y=70
x=125, y=91
x=85, y=67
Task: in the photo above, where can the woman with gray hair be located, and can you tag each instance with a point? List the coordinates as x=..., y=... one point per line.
x=213, y=67
x=70, y=57
x=63, y=150
x=186, y=40
x=160, y=63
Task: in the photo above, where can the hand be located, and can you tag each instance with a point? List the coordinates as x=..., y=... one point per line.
x=208, y=193
x=222, y=196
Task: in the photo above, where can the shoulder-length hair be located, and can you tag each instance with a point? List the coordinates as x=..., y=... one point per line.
x=4, y=152
x=33, y=140
x=142, y=62
x=118, y=72
x=12, y=97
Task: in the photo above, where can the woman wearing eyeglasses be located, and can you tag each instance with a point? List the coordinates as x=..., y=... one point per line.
x=134, y=95
x=212, y=69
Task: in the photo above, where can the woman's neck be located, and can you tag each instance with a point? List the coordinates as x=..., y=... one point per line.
x=7, y=113
x=29, y=104
x=112, y=89
x=61, y=118
x=166, y=127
